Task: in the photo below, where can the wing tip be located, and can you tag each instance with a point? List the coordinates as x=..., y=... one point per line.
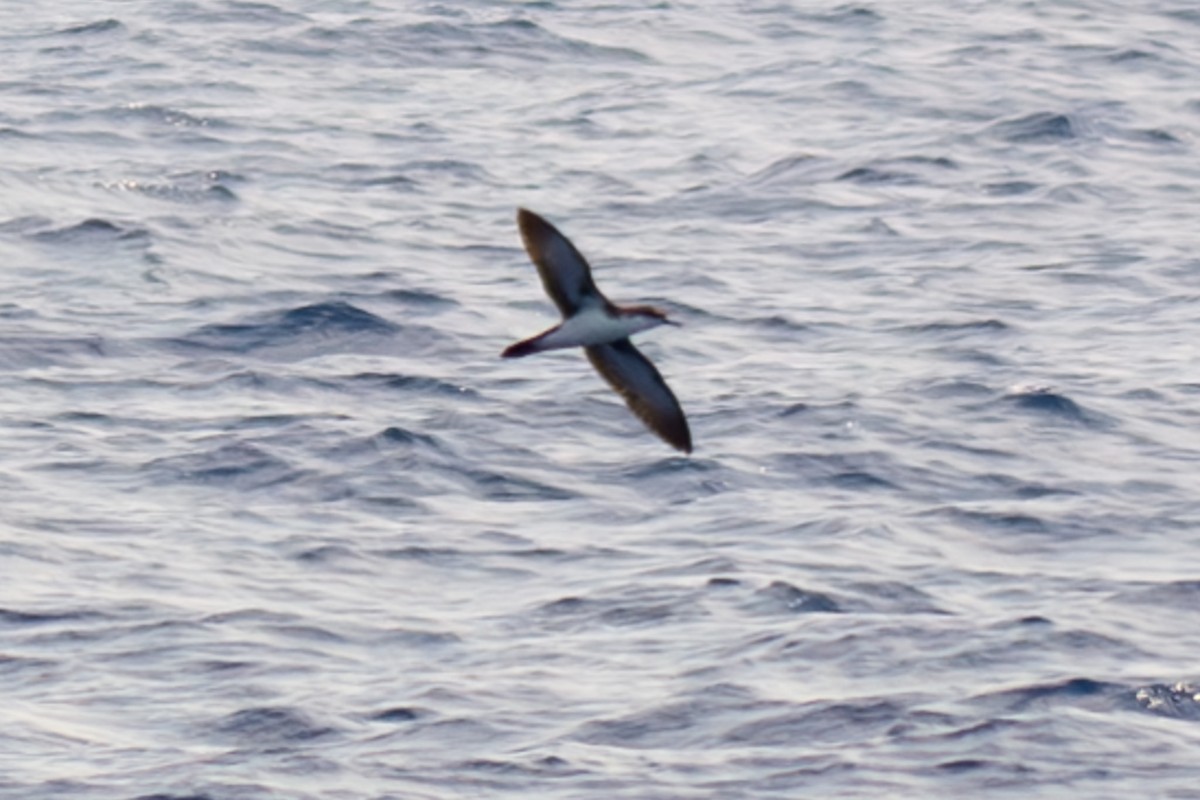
x=681, y=441
x=527, y=219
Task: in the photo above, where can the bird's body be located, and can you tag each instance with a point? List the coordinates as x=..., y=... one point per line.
x=603, y=329
x=588, y=326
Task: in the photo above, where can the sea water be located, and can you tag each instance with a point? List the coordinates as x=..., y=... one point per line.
x=277, y=521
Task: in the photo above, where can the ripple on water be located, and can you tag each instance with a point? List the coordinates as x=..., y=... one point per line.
x=91, y=232
x=329, y=324
x=271, y=726
x=782, y=597
x=1050, y=404
x=1043, y=127
x=233, y=465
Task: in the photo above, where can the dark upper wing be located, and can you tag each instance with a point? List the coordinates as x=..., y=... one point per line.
x=565, y=273
x=644, y=390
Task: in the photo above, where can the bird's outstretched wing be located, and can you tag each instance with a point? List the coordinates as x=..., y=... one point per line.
x=565, y=273
x=645, y=392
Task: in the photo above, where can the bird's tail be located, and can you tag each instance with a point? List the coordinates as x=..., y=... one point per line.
x=526, y=347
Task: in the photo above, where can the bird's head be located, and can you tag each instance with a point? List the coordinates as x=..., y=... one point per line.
x=650, y=315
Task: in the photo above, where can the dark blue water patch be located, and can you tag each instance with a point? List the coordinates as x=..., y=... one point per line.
x=902, y=170
x=16, y=311
x=550, y=766
x=849, y=471
x=1128, y=54
x=415, y=297
x=190, y=188
x=1073, y=692
x=1007, y=521
x=160, y=796
x=237, y=465
x=794, y=409
x=446, y=44
x=222, y=666
x=638, y=608
x=800, y=168
x=10, y=616
x=956, y=351
x=327, y=554
x=638, y=615
x=780, y=597
x=29, y=669
x=840, y=410
x=820, y=723
x=395, y=435
x=703, y=566
x=306, y=633
x=525, y=39
x=410, y=299
x=389, y=504
x=26, y=352
x=335, y=315
x=1183, y=595
x=1152, y=136
x=91, y=231
x=1180, y=701
x=1010, y=188
x=666, y=466
x=359, y=174
x=1183, y=13
x=939, y=162
x=258, y=13
x=964, y=765
x=395, y=181
x=443, y=556
x=445, y=171
x=877, y=227
x=256, y=617
x=1143, y=394
x=667, y=726
x=234, y=12
x=857, y=481
x=242, y=380
x=893, y=597
x=1043, y=127
x=9, y=132
x=1020, y=489
x=989, y=325
x=317, y=321
x=490, y=485
x=877, y=175
x=956, y=389
x=158, y=117
x=985, y=771
x=268, y=421
x=270, y=727
x=84, y=29
x=415, y=384
x=1050, y=405
x=849, y=15
x=325, y=230
x=417, y=639
x=397, y=715
x=776, y=322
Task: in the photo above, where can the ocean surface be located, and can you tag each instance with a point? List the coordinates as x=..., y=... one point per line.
x=276, y=521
